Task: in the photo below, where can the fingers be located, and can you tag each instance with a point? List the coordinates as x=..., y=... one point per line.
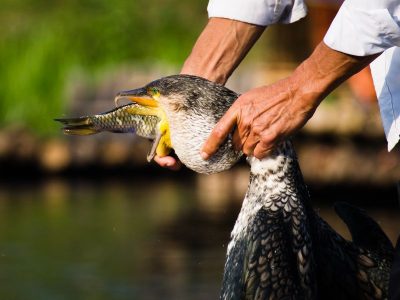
x=219, y=134
x=262, y=150
x=265, y=146
x=168, y=162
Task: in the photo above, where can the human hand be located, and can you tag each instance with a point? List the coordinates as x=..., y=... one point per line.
x=168, y=162
x=262, y=117
x=267, y=115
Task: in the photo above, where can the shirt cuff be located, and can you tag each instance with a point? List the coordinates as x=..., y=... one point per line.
x=362, y=32
x=258, y=12
x=386, y=80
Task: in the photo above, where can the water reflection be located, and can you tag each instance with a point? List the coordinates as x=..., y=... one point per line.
x=155, y=239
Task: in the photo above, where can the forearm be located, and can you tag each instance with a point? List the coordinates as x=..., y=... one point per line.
x=323, y=71
x=220, y=48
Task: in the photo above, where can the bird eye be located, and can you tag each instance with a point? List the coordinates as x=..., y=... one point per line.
x=153, y=91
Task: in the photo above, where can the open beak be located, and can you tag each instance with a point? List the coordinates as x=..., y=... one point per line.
x=139, y=96
x=149, y=106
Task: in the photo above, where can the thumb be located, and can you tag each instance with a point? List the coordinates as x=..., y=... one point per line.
x=220, y=132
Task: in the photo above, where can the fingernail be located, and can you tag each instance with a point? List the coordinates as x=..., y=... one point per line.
x=204, y=155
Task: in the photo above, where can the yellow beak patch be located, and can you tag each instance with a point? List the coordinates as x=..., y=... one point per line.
x=148, y=106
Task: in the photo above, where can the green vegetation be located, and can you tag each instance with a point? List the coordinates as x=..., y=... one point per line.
x=43, y=41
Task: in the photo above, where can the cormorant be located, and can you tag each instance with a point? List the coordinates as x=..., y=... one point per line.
x=280, y=248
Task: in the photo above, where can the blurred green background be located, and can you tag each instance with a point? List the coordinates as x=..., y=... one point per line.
x=45, y=43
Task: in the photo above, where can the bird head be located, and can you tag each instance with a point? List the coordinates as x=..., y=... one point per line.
x=188, y=107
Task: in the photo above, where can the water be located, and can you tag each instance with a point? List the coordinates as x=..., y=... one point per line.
x=140, y=239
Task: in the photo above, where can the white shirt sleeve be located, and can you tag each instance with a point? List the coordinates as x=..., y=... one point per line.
x=258, y=12
x=386, y=74
x=365, y=27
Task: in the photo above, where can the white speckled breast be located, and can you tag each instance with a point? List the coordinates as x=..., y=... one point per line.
x=189, y=130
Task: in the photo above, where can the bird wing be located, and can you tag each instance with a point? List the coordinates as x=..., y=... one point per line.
x=374, y=250
x=365, y=232
x=352, y=270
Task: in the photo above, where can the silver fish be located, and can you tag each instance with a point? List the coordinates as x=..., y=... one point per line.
x=126, y=118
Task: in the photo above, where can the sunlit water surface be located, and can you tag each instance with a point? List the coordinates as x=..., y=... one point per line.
x=159, y=239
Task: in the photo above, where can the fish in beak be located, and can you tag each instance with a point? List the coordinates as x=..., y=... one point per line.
x=143, y=117
x=147, y=98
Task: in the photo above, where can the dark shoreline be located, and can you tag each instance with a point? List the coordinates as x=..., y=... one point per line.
x=382, y=195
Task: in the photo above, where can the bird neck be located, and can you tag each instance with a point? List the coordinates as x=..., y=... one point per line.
x=276, y=188
x=276, y=183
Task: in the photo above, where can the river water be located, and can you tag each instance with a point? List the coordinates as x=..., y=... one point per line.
x=139, y=238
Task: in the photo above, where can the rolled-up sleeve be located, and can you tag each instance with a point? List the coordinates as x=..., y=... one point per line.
x=258, y=12
x=365, y=27
x=386, y=74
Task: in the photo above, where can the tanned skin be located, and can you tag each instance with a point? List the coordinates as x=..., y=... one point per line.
x=262, y=117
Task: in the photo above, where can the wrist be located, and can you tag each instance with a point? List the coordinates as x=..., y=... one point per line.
x=308, y=86
x=325, y=70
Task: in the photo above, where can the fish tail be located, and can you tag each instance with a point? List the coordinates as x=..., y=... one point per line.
x=77, y=126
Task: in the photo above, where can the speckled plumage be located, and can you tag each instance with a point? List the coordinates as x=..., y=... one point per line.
x=280, y=248
x=271, y=245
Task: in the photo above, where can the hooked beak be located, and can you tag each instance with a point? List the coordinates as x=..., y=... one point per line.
x=139, y=96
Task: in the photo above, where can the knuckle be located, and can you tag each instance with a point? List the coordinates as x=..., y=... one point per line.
x=261, y=152
x=268, y=138
x=246, y=122
x=266, y=141
x=257, y=130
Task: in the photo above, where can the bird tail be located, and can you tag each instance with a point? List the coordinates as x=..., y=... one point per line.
x=77, y=126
